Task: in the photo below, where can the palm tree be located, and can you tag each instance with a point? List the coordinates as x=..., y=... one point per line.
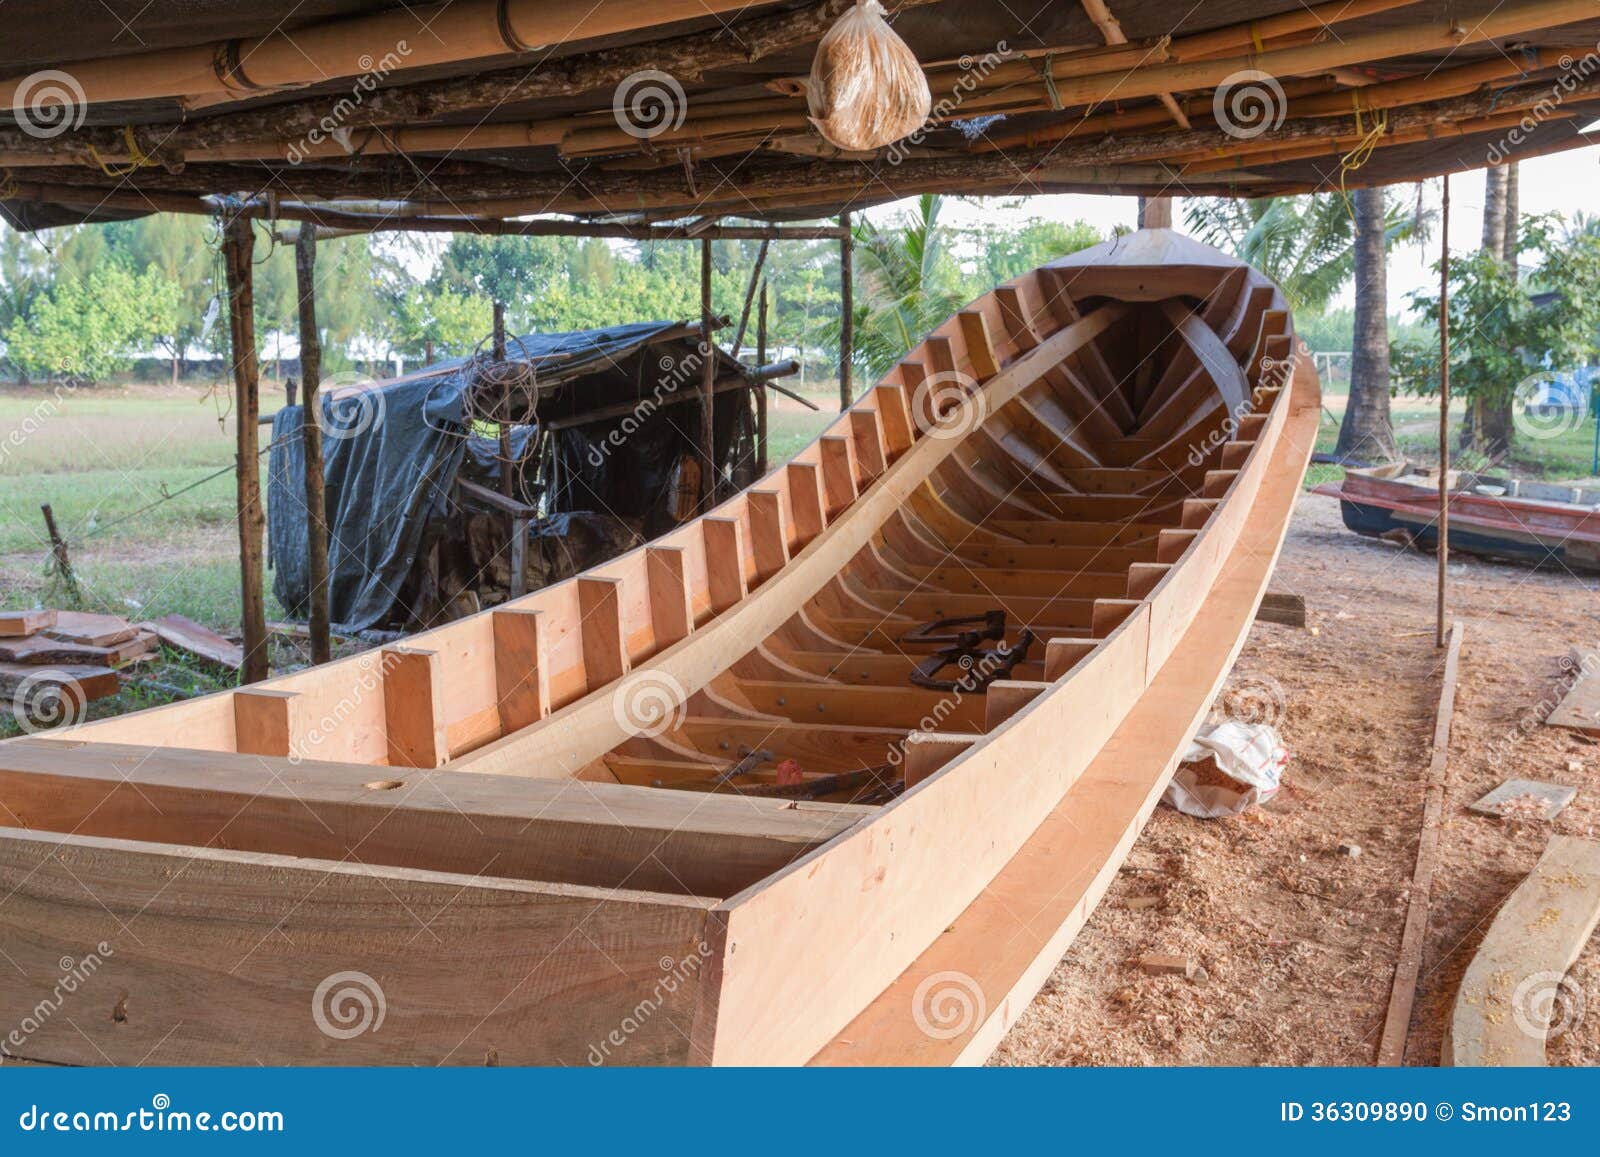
x=909, y=281
x=1311, y=246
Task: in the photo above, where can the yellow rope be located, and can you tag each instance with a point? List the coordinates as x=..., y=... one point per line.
x=1363, y=150
x=8, y=185
x=1255, y=37
x=138, y=159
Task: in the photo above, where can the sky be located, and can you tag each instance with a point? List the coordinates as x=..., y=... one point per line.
x=1562, y=183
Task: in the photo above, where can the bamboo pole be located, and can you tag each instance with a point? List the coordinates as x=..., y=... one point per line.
x=1406, y=40
x=708, y=383
x=305, y=268
x=507, y=483
x=847, y=312
x=749, y=296
x=371, y=45
x=238, y=250
x=1111, y=32
x=1444, y=414
x=761, y=395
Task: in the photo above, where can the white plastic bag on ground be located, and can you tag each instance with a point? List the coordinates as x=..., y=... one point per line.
x=866, y=88
x=1226, y=770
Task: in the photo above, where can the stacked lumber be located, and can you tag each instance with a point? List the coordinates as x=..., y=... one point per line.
x=57, y=661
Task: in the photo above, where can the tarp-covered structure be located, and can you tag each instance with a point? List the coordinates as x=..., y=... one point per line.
x=610, y=415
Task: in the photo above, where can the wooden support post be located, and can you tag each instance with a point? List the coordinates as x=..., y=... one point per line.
x=60, y=560
x=805, y=501
x=847, y=316
x=239, y=243
x=507, y=486
x=1061, y=655
x=605, y=649
x=767, y=532
x=521, y=670
x=1403, y=992
x=708, y=385
x=1005, y=697
x=671, y=613
x=838, y=473
x=1155, y=212
x=724, y=546
x=927, y=751
x=895, y=416
x=1444, y=415
x=266, y=722
x=305, y=276
x=413, y=716
x=761, y=394
x=871, y=455
x=749, y=297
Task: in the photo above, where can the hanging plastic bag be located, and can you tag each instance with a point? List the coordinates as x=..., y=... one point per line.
x=866, y=88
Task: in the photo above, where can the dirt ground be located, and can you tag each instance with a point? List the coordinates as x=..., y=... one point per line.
x=1297, y=940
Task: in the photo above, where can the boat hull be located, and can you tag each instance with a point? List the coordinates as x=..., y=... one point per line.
x=823, y=807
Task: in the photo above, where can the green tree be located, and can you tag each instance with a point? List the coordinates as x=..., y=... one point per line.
x=90, y=327
x=1504, y=329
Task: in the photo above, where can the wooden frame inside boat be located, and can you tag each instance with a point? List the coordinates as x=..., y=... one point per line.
x=707, y=802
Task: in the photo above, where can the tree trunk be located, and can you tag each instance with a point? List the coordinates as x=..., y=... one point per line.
x=1366, y=432
x=1494, y=210
x=1513, y=223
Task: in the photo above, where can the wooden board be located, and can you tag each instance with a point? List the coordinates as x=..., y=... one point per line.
x=1579, y=708
x=93, y=630
x=206, y=956
x=1517, y=980
x=185, y=634
x=579, y=833
x=42, y=649
x=15, y=623
x=85, y=684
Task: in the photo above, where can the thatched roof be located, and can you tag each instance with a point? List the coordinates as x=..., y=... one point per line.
x=427, y=113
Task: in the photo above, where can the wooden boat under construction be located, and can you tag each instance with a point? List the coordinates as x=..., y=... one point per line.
x=832, y=774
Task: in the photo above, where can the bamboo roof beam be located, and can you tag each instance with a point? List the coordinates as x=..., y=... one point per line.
x=1111, y=32
x=408, y=38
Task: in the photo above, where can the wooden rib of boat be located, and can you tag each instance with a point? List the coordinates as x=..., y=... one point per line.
x=1490, y=515
x=744, y=795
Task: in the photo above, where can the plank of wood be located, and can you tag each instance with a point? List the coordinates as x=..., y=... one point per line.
x=1515, y=991
x=569, y=832
x=1285, y=609
x=1403, y=993
x=84, y=684
x=41, y=649
x=90, y=629
x=185, y=634
x=455, y=969
x=15, y=623
x=1579, y=708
